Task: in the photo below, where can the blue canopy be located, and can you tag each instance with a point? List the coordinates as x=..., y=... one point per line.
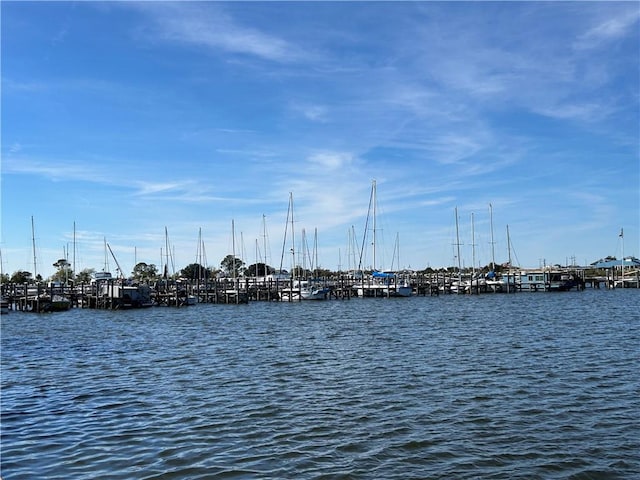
x=377, y=274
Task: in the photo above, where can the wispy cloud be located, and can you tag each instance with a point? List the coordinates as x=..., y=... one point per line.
x=331, y=160
x=608, y=29
x=315, y=113
x=211, y=27
x=55, y=171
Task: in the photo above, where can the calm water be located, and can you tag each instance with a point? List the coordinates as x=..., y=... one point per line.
x=493, y=387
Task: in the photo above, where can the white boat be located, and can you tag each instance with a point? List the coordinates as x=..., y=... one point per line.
x=383, y=284
x=298, y=289
x=379, y=284
x=305, y=290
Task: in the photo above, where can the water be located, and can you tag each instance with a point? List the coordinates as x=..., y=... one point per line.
x=494, y=387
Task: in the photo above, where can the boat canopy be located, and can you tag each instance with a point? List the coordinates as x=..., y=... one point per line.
x=377, y=274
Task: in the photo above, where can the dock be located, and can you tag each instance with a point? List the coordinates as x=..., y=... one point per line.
x=118, y=294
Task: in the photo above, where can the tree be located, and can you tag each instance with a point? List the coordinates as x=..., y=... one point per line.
x=321, y=272
x=4, y=278
x=259, y=270
x=232, y=266
x=196, y=271
x=64, y=272
x=144, y=272
x=21, y=277
x=85, y=275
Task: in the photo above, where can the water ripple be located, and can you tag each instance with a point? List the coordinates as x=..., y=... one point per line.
x=496, y=387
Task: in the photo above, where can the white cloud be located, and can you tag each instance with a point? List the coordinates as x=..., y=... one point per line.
x=608, y=29
x=211, y=27
x=315, y=113
x=331, y=160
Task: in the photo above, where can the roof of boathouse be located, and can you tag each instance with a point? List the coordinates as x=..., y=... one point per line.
x=628, y=262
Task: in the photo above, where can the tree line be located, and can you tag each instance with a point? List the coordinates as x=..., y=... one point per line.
x=230, y=267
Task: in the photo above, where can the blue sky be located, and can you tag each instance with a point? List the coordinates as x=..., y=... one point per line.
x=127, y=118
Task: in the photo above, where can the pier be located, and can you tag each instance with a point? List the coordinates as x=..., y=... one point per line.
x=117, y=294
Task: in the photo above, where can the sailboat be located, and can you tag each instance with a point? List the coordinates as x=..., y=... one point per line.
x=52, y=300
x=235, y=295
x=379, y=284
x=299, y=288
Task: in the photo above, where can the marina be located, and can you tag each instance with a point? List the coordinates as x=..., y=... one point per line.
x=106, y=292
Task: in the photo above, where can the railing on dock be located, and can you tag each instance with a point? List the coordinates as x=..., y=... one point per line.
x=113, y=294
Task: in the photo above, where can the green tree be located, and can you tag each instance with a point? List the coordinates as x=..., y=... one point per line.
x=195, y=271
x=232, y=266
x=4, y=278
x=21, y=277
x=259, y=270
x=321, y=272
x=85, y=275
x=144, y=272
x=64, y=272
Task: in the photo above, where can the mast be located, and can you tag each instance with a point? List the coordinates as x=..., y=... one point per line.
x=458, y=246
x=233, y=250
x=366, y=229
x=493, y=252
x=622, y=266
x=304, y=249
x=509, y=250
x=293, y=241
x=33, y=241
x=373, y=196
x=473, y=252
x=315, y=252
x=199, y=254
x=74, y=250
x=264, y=241
x=105, y=268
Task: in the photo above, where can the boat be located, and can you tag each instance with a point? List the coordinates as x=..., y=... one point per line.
x=378, y=283
x=383, y=284
x=235, y=294
x=297, y=289
x=545, y=280
x=4, y=306
x=53, y=303
x=116, y=295
x=305, y=290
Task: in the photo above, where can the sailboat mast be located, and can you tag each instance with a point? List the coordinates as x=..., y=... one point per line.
x=622, y=265
x=33, y=241
x=106, y=256
x=373, y=196
x=293, y=240
x=509, y=258
x=315, y=251
x=233, y=250
x=74, y=250
x=264, y=240
x=493, y=252
x=458, y=247
x=473, y=249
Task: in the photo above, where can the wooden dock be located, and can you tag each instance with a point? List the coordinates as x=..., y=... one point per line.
x=116, y=294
